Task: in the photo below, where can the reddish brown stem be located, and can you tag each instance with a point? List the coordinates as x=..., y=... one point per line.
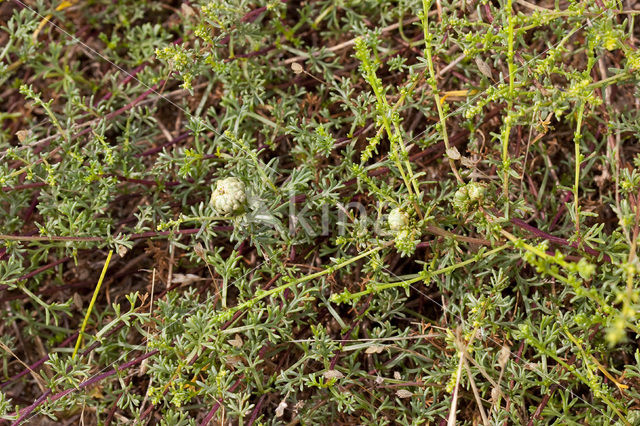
x=215, y=407
x=557, y=240
x=256, y=411
x=38, y=363
x=38, y=270
x=95, y=379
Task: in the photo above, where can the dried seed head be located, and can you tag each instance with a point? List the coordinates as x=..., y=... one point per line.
x=503, y=356
x=453, y=153
x=296, y=68
x=144, y=366
x=483, y=67
x=333, y=374
x=77, y=301
x=403, y=393
x=199, y=250
x=187, y=10
x=495, y=393
x=236, y=342
x=233, y=360
x=374, y=349
x=122, y=251
x=280, y=409
x=185, y=279
x=22, y=135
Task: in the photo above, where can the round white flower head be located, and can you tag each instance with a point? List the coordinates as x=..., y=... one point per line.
x=229, y=196
x=397, y=219
x=476, y=191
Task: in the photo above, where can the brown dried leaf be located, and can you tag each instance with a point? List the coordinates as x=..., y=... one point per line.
x=280, y=409
x=403, y=393
x=22, y=135
x=374, y=349
x=483, y=67
x=77, y=301
x=296, y=68
x=333, y=374
x=185, y=278
x=236, y=342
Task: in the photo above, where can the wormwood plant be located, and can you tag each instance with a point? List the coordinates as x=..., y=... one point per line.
x=370, y=212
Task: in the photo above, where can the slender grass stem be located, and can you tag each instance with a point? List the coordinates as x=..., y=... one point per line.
x=93, y=301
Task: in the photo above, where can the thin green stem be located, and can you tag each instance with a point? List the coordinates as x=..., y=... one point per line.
x=378, y=287
x=506, y=160
x=256, y=161
x=93, y=301
x=610, y=80
x=34, y=297
x=576, y=182
x=389, y=119
x=540, y=346
x=283, y=287
x=44, y=238
x=426, y=4
x=187, y=219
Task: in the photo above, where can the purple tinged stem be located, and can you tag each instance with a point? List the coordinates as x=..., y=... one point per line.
x=95, y=379
x=561, y=210
x=38, y=363
x=37, y=271
x=256, y=410
x=215, y=407
x=557, y=240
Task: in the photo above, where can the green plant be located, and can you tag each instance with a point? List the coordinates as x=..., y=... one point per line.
x=328, y=212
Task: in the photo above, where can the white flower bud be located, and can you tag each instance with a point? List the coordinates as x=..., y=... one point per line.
x=229, y=196
x=397, y=219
